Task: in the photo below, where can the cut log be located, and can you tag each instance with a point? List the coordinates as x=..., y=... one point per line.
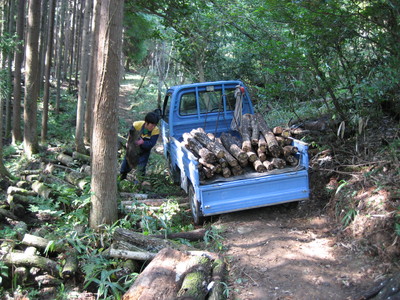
x=226, y=172
x=71, y=264
x=282, y=141
x=136, y=255
x=218, y=277
x=77, y=179
x=81, y=157
x=46, y=280
x=22, y=259
x=230, y=144
x=277, y=130
x=228, y=156
x=258, y=166
x=198, y=149
x=261, y=155
x=193, y=235
x=273, y=146
x=16, y=190
x=194, y=285
x=262, y=144
x=66, y=160
x=245, y=131
x=238, y=170
x=144, y=242
x=251, y=156
x=286, y=133
x=7, y=214
x=292, y=160
x=203, y=138
x=290, y=150
x=162, y=278
x=39, y=242
x=255, y=132
x=268, y=165
x=279, y=163
x=42, y=190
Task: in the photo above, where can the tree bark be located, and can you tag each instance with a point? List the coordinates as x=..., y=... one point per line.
x=255, y=132
x=246, y=132
x=230, y=144
x=18, y=58
x=80, y=115
x=139, y=240
x=202, y=137
x=198, y=149
x=46, y=96
x=22, y=259
x=273, y=146
x=32, y=81
x=162, y=277
x=104, y=208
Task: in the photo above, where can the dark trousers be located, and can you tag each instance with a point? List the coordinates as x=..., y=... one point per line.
x=141, y=167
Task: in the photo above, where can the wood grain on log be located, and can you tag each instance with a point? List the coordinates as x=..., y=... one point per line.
x=162, y=277
x=255, y=132
x=202, y=137
x=273, y=146
x=198, y=149
x=245, y=131
x=230, y=144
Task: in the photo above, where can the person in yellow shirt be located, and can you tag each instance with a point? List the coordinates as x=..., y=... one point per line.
x=149, y=133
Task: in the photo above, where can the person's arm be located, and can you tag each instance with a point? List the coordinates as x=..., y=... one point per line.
x=149, y=143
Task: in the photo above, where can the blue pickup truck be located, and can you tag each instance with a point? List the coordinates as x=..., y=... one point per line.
x=211, y=106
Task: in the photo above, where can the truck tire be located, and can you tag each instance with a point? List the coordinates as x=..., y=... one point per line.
x=174, y=172
x=198, y=217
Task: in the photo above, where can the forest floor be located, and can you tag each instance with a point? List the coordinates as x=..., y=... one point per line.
x=291, y=251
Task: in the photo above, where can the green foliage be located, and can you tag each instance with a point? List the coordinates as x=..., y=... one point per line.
x=3, y=272
x=102, y=273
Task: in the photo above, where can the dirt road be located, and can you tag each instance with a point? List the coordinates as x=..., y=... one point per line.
x=283, y=252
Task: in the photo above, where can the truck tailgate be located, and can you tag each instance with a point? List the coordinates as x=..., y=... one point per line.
x=250, y=193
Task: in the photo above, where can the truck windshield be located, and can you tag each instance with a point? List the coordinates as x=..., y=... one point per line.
x=207, y=101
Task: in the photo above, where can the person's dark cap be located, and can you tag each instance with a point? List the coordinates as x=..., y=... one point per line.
x=151, y=117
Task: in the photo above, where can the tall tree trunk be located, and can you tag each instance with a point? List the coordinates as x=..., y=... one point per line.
x=91, y=84
x=32, y=79
x=105, y=125
x=80, y=115
x=49, y=51
x=43, y=41
x=18, y=57
x=11, y=31
x=72, y=44
x=60, y=56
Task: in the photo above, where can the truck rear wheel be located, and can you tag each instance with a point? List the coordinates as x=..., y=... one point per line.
x=198, y=217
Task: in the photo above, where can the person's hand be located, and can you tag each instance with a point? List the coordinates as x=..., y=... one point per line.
x=139, y=142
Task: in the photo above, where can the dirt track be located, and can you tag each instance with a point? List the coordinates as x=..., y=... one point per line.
x=291, y=252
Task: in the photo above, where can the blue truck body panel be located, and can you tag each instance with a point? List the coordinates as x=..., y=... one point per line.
x=222, y=195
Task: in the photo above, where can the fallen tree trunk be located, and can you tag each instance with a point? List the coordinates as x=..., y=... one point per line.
x=42, y=190
x=22, y=259
x=194, y=285
x=136, y=255
x=194, y=235
x=162, y=278
x=144, y=242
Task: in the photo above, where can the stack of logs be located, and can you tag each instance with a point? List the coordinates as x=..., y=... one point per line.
x=260, y=148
